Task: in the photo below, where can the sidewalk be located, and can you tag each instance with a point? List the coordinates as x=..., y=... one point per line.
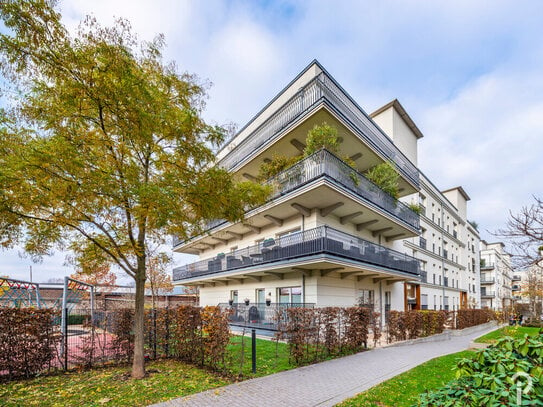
x=330, y=382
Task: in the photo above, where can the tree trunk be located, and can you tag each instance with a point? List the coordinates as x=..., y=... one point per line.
x=138, y=365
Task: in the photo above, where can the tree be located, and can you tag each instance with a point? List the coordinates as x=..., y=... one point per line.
x=524, y=230
x=532, y=289
x=158, y=279
x=103, y=149
x=101, y=276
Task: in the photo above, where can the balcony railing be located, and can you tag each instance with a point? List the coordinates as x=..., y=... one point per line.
x=325, y=164
x=422, y=243
x=488, y=280
x=488, y=294
x=321, y=88
x=321, y=240
x=487, y=266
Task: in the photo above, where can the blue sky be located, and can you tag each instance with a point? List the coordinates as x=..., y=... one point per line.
x=469, y=74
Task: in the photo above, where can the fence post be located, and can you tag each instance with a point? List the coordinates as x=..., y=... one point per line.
x=65, y=338
x=253, y=346
x=154, y=333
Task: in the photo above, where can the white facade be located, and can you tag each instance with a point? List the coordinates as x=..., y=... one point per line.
x=496, y=276
x=327, y=236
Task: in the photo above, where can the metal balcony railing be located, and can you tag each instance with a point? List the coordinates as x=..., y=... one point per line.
x=487, y=266
x=321, y=240
x=325, y=164
x=320, y=89
x=488, y=294
x=488, y=280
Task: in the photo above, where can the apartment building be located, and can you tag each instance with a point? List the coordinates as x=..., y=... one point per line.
x=497, y=280
x=327, y=235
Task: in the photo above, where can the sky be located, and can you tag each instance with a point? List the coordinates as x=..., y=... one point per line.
x=468, y=73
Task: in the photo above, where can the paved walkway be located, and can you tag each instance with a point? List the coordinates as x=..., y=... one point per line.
x=328, y=383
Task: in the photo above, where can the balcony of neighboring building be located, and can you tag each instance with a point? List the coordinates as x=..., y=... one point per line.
x=488, y=294
x=486, y=266
x=487, y=280
x=324, y=184
x=322, y=249
x=284, y=132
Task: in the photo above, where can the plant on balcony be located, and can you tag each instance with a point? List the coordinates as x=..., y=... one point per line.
x=277, y=164
x=386, y=177
x=415, y=208
x=319, y=137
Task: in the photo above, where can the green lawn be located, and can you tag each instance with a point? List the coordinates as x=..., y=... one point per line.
x=113, y=386
x=404, y=389
x=513, y=331
x=266, y=361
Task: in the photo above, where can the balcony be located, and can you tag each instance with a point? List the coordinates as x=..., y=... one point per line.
x=321, y=89
x=485, y=266
x=325, y=165
x=487, y=280
x=322, y=240
x=422, y=243
x=488, y=294
x=516, y=278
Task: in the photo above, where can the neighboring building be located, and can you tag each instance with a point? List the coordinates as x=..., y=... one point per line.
x=327, y=235
x=498, y=284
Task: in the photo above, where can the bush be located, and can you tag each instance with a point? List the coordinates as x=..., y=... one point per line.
x=402, y=325
x=471, y=317
x=385, y=177
x=319, y=137
x=314, y=334
x=28, y=341
x=486, y=379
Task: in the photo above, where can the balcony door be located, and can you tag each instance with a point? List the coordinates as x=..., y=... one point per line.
x=260, y=296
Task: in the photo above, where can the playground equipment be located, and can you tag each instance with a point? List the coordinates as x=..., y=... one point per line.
x=19, y=293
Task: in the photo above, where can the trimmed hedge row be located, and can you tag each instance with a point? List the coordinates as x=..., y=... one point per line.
x=313, y=334
x=28, y=341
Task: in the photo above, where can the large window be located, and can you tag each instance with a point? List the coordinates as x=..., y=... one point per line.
x=290, y=295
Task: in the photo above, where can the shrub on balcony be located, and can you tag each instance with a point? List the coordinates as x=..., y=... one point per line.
x=386, y=177
x=415, y=208
x=319, y=137
x=277, y=164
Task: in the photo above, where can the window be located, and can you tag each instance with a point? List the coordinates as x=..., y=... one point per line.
x=290, y=295
x=260, y=296
x=424, y=301
x=435, y=302
x=434, y=278
x=446, y=303
x=234, y=296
